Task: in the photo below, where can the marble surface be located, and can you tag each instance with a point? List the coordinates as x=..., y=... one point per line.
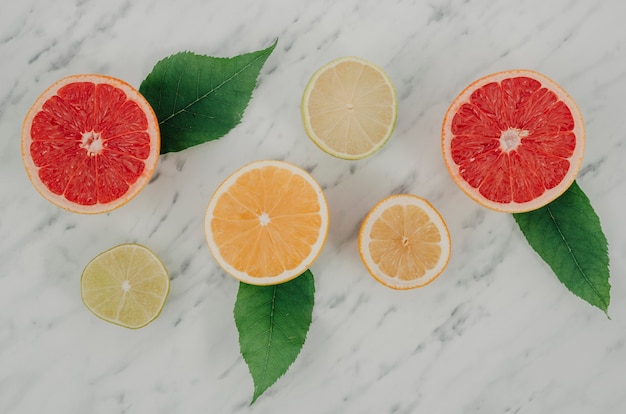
x=496, y=333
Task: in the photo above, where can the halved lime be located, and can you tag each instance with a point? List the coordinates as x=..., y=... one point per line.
x=126, y=285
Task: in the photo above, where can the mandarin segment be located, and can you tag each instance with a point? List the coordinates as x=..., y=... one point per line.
x=384, y=230
x=419, y=227
x=387, y=256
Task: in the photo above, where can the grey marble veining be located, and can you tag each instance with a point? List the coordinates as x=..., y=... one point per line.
x=496, y=333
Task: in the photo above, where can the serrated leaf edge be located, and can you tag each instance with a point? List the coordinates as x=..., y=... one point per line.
x=266, y=52
x=581, y=194
x=573, y=255
x=257, y=391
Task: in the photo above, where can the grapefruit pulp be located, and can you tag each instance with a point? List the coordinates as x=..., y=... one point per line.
x=349, y=108
x=90, y=143
x=513, y=141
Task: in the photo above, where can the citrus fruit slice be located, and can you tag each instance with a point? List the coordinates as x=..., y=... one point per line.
x=267, y=222
x=90, y=143
x=513, y=141
x=349, y=108
x=126, y=285
x=404, y=242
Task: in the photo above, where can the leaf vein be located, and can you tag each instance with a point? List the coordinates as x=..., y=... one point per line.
x=575, y=259
x=212, y=89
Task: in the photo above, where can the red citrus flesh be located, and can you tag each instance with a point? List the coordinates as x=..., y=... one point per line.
x=90, y=143
x=513, y=141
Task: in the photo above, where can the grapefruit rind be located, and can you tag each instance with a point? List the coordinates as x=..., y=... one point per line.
x=145, y=250
x=288, y=274
x=150, y=162
x=435, y=218
x=306, y=119
x=550, y=194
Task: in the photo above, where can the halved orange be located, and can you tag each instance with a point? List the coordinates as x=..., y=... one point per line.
x=513, y=141
x=404, y=242
x=90, y=143
x=267, y=222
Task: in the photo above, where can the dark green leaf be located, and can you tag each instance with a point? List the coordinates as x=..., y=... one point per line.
x=273, y=322
x=567, y=235
x=200, y=98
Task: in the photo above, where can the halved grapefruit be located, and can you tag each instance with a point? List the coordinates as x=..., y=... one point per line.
x=90, y=143
x=513, y=141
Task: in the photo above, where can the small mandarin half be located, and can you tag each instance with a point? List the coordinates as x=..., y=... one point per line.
x=404, y=242
x=513, y=141
x=267, y=223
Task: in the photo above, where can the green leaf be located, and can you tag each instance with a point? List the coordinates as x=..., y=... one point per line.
x=199, y=98
x=567, y=235
x=273, y=322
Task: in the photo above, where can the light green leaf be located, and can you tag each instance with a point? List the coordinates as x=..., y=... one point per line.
x=273, y=322
x=567, y=235
x=199, y=98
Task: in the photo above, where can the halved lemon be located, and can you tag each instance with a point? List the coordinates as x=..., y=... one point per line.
x=404, y=242
x=126, y=285
x=349, y=108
